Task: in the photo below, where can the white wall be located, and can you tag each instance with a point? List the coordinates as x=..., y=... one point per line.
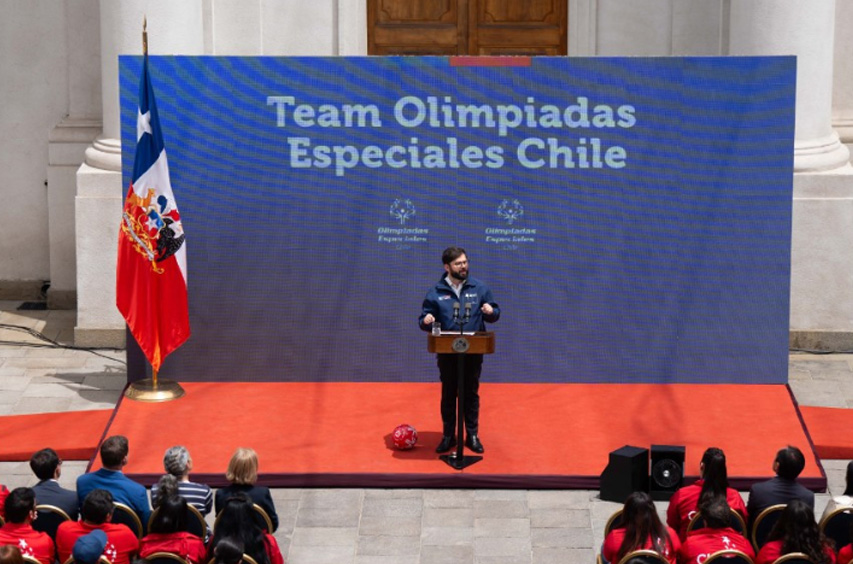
x=33, y=99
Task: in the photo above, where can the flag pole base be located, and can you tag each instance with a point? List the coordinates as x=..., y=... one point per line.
x=147, y=390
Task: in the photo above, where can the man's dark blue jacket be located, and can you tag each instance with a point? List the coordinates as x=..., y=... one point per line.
x=440, y=299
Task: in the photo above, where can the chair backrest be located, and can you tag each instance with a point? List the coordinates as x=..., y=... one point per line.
x=196, y=524
x=265, y=522
x=764, y=524
x=614, y=522
x=836, y=526
x=729, y=556
x=735, y=521
x=49, y=518
x=127, y=516
x=262, y=520
x=102, y=560
x=646, y=556
x=794, y=558
x=164, y=558
x=246, y=560
x=30, y=559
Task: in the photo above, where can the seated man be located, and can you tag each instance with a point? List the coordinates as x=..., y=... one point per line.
x=113, y=458
x=96, y=513
x=20, y=507
x=716, y=535
x=783, y=488
x=47, y=466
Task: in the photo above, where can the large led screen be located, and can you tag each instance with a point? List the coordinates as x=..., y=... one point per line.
x=632, y=215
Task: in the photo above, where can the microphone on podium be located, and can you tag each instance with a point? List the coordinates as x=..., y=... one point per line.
x=455, y=311
x=467, y=311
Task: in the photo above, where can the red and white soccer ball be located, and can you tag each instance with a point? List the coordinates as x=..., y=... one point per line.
x=405, y=437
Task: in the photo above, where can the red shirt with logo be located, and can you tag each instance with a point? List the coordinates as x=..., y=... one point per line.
x=30, y=542
x=121, y=542
x=616, y=536
x=701, y=543
x=683, y=506
x=186, y=545
x=773, y=550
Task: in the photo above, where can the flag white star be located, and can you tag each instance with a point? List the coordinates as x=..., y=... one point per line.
x=143, y=124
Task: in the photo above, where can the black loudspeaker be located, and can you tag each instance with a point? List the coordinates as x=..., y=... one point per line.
x=626, y=473
x=667, y=472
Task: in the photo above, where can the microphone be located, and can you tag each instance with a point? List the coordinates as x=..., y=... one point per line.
x=455, y=311
x=467, y=311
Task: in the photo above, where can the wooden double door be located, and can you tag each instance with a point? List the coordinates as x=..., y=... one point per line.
x=467, y=27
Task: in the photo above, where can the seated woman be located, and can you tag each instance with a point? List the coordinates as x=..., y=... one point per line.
x=237, y=525
x=796, y=531
x=845, y=499
x=642, y=530
x=713, y=483
x=228, y=551
x=243, y=473
x=178, y=463
x=168, y=530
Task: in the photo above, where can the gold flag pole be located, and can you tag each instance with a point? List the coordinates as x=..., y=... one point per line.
x=150, y=389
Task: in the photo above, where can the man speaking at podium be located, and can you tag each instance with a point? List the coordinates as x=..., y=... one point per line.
x=459, y=299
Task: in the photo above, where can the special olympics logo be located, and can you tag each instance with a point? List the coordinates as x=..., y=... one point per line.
x=510, y=210
x=402, y=209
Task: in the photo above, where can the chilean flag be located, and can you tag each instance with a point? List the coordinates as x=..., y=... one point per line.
x=151, y=277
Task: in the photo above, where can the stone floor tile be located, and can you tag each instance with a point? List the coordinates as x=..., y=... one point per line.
x=568, y=538
x=505, y=508
x=563, y=555
x=507, y=547
x=569, y=499
x=456, y=554
x=448, y=517
x=449, y=498
x=553, y=518
x=41, y=405
x=390, y=507
x=324, y=536
x=388, y=545
x=339, y=516
x=447, y=536
x=507, y=528
x=400, y=526
x=382, y=559
x=320, y=555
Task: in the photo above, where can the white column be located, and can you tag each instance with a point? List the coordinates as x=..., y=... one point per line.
x=842, y=96
x=174, y=28
x=67, y=143
x=804, y=29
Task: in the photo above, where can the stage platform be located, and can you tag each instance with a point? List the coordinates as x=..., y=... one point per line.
x=536, y=435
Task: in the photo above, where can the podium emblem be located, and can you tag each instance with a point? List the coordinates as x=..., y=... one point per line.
x=461, y=344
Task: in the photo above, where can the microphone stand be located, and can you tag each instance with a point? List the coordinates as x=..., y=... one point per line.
x=456, y=459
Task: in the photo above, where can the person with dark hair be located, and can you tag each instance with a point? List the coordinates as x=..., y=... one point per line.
x=20, y=507
x=845, y=499
x=236, y=522
x=796, y=531
x=178, y=463
x=454, y=298
x=642, y=530
x=716, y=535
x=47, y=466
x=228, y=551
x=782, y=488
x=713, y=483
x=96, y=513
x=114, y=451
x=168, y=531
x=10, y=554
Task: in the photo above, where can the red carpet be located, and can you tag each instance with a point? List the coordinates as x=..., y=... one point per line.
x=74, y=435
x=830, y=430
x=536, y=435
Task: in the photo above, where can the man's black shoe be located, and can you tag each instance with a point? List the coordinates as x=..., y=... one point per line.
x=473, y=442
x=447, y=443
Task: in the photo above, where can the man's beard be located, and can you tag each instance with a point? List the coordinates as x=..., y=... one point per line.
x=461, y=276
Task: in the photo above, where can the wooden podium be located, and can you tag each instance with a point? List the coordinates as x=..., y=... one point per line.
x=460, y=344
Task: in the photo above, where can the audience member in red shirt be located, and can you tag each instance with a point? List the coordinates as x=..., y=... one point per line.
x=4, y=492
x=168, y=531
x=643, y=530
x=96, y=513
x=716, y=535
x=714, y=482
x=796, y=531
x=20, y=508
x=845, y=555
x=236, y=522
